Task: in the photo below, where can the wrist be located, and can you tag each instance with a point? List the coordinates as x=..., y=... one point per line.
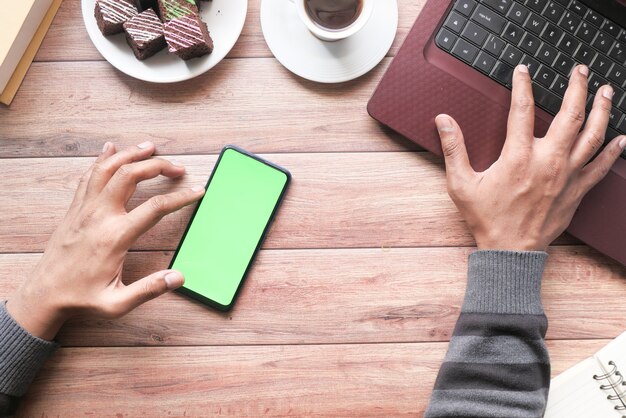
x=37, y=313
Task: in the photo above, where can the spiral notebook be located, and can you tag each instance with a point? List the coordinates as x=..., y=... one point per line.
x=593, y=388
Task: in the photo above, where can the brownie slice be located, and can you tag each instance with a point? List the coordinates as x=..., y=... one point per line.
x=173, y=9
x=188, y=37
x=111, y=15
x=144, y=34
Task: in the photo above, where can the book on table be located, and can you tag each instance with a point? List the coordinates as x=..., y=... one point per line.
x=595, y=387
x=24, y=24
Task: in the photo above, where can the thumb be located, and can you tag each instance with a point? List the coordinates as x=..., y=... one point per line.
x=453, y=146
x=150, y=287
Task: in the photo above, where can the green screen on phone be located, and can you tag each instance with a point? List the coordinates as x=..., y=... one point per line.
x=228, y=226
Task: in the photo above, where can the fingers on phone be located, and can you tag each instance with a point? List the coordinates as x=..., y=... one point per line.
x=104, y=170
x=149, y=213
x=148, y=288
x=521, y=123
x=592, y=137
x=569, y=120
x=601, y=165
x=124, y=182
x=453, y=146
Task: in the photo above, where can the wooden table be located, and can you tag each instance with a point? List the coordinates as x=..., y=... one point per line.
x=350, y=305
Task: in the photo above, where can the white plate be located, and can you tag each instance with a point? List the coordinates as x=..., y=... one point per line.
x=327, y=62
x=224, y=18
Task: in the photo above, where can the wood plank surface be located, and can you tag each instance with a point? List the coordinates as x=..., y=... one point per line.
x=368, y=380
x=336, y=200
x=345, y=296
x=255, y=103
x=67, y=39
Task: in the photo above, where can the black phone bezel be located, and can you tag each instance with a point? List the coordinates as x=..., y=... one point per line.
x=202, y=298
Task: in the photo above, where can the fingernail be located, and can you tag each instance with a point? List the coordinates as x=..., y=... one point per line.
x=198, y=189
x=522, y=69
x=622, y=142
x=106, y=147
x=584, y=70
x=444, y=124
x=174, y=280
x=176, y=163
x=144, y=145
x=608, y=92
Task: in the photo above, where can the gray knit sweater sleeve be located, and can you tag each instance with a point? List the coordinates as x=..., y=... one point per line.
x=21, y=357
x=497, y=364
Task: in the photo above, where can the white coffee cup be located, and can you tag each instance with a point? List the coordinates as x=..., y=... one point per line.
x=334, y=34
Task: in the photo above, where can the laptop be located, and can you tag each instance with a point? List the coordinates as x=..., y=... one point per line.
x=459, y=58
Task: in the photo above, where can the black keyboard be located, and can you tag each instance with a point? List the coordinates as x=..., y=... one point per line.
x=550, y=38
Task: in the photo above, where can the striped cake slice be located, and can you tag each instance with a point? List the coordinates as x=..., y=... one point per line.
x=144, y=34
x=173, y=9
x=188, y=37
x=111, y=15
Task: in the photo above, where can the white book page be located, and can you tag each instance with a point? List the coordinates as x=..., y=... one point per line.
x=613, y=358
x=575, y=394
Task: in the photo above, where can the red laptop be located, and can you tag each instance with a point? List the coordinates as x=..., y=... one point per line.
x=459, y=59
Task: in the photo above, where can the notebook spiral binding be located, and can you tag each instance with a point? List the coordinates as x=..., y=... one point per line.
x=616, y=385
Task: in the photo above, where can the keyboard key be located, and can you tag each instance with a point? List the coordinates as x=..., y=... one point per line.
x=465, y=7
x=535, y=24
x=586, y=31
x=455, y=22
x=553, y=12
x=494, y=45
x=618, y=96
x=500, y=6
x=564, y=64
x=545, y=76
x=513, y=33
x=465, y=51
x=618, y=52
x=475, y=34
x=489, y=19
x=518, y=13
x=530, y=44
x=617, y=74
x=546, y=99
x=615, y=116
x=552, y=34
x=536, y=5
x=578, y=8
x=595, y=82
x=601, y=65
x=570, y=22
x=512, y=55
x=603, y=42
x=622, y=126
x=503, y=73
x=445, y=39
x=560, y=85
x=594, y=18
x=611, y=28
x=531, y=63
x=547, y=54
x=585, y=54
x=563, y=3
x=484, y=62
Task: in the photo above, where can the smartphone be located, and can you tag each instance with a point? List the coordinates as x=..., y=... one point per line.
x=228, y=226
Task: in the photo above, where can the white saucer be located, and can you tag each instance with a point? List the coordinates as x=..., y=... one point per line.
x=327, y=62
x=224, y=18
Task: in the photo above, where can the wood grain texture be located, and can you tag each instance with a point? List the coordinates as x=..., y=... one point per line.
x=370, y=380
x=255, y=103
x=345, y=296
x=67, y=39
x=336, y=200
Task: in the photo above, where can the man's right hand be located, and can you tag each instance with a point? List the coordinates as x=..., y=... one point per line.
x=528, y=197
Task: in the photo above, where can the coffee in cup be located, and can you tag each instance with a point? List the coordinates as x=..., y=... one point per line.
x=333, y=14
x=333, y=20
